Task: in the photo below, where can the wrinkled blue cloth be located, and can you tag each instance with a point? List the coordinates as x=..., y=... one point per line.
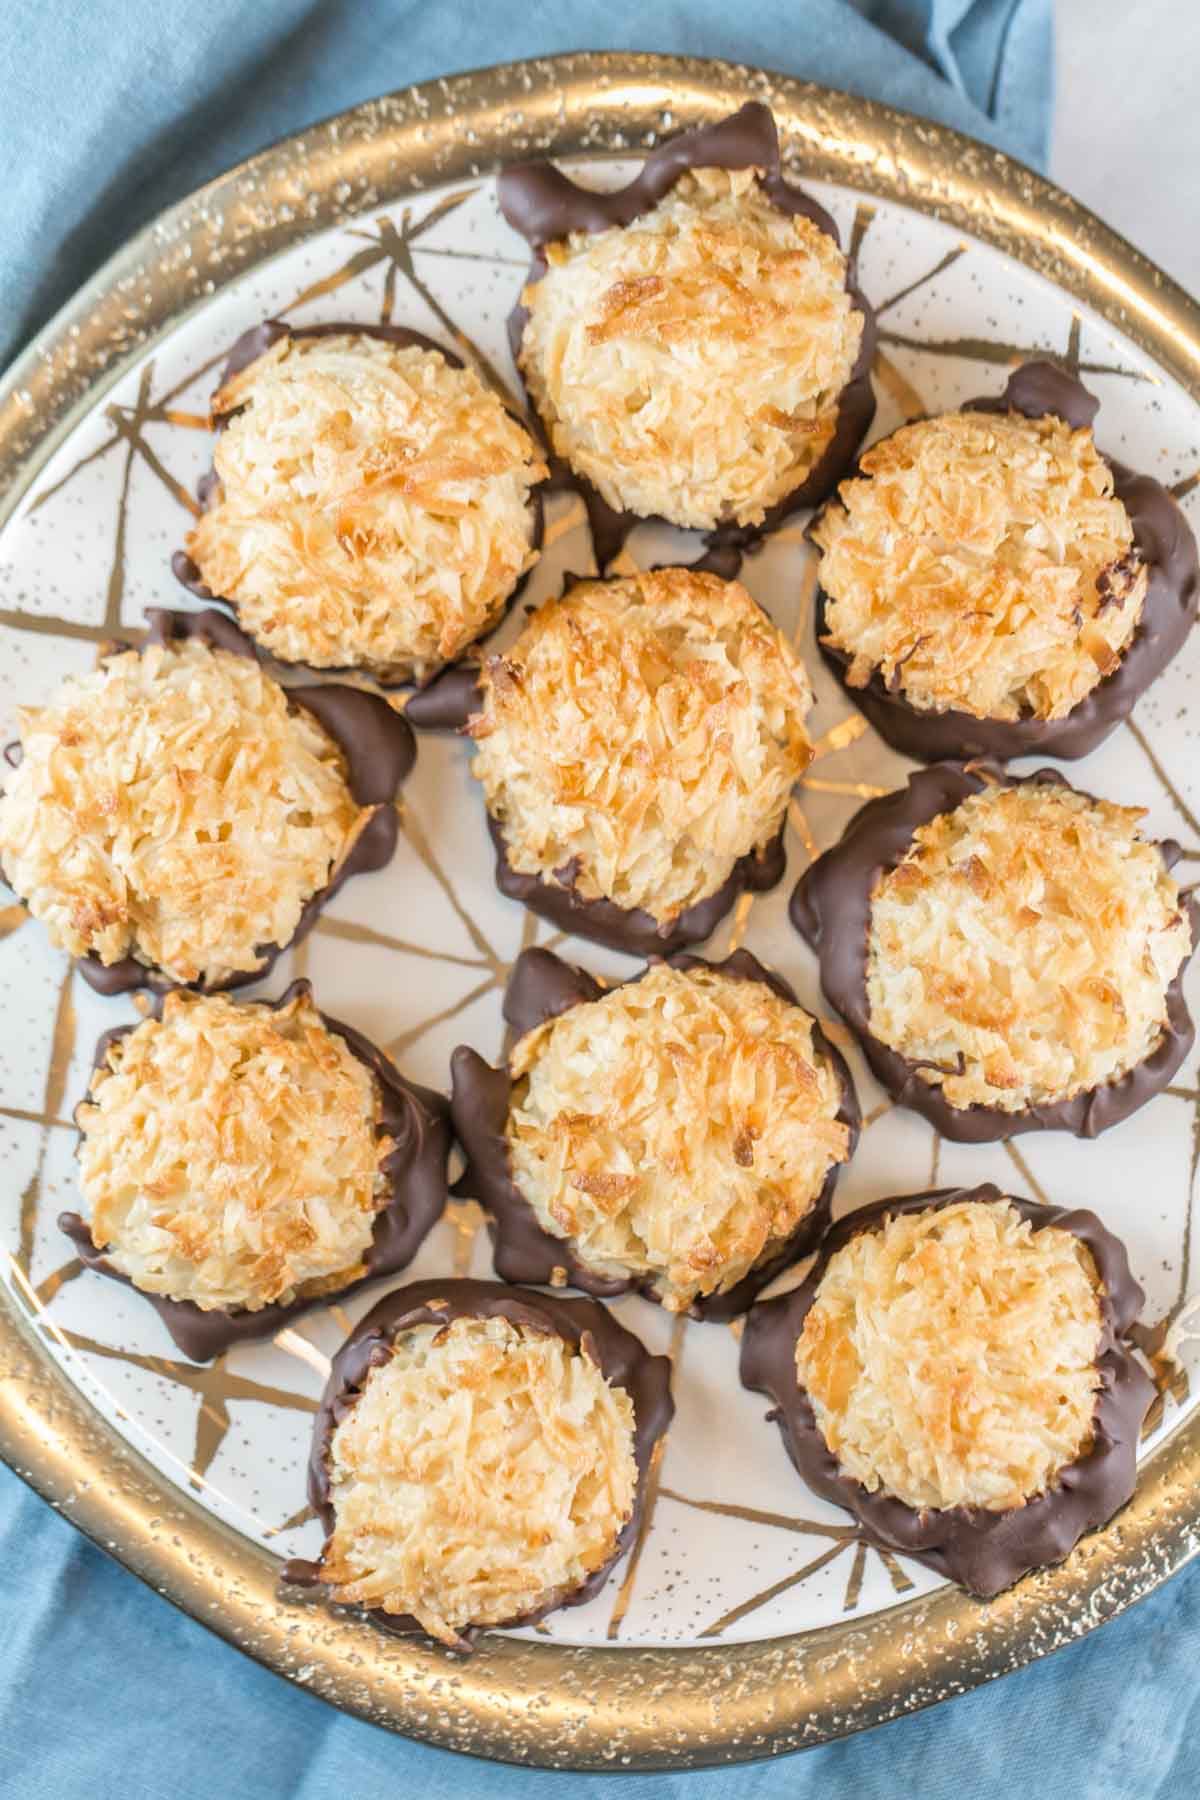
x=111, y=111
x=109, y=1694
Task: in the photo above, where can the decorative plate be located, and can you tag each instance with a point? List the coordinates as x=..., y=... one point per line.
x=750, y=1618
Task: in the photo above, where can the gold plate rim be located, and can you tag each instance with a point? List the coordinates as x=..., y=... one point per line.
x=598, y=1708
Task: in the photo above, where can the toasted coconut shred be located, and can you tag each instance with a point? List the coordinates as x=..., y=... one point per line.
x=642, y=735
x=982, y=563
x=679, y=1129
x=373, y=506
x=1022, y=950
x=172, y=805
x=484, y=1473
x=230, y=1154
x=690, y=364
x=950, y=1357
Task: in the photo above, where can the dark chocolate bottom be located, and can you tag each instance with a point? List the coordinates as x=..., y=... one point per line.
x=622, y=1359
x=380, y=750
x=630, y=929
x=831, y=909
x=417, y=1120
x=984, y=1551
x=247, y=349
x=542, y=986
x=1167, y=548
x=545, y=205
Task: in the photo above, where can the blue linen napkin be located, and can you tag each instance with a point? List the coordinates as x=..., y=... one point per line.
x=112, y=110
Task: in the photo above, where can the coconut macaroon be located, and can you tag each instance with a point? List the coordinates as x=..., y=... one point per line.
x=240, y=1161
x=372, y=502
x=955, y=1371
x=679, y=1131
x=176, y=808
x=950, y=1356
x=233, y=1156
x=981, y=563
x=480, y=1456
x=992, y=585
x=1008, y=951
x=637, y=742
x=689, y=364
x=1022, y=950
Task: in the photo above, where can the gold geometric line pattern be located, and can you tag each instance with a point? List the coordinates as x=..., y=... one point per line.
x=350, y=932
x=939, y=268
x=753, y=1515
x=415, y=834
x=854, y=1584
x=650, y=1501
x=992, y=352
x=864, y=215
x=1026, y=1173
x=898, y=388
x=62, y=1047
x=293, y=1524
x=774, y=1591
x=841, y=736
x=798, y=821
x=27, y=1117
x=860, y=790
x=1184, y=810
x=396, y=1047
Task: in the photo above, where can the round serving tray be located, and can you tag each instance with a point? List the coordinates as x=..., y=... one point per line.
x=973, y=262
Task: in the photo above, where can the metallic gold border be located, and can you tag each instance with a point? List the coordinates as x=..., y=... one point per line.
x=530, y=1702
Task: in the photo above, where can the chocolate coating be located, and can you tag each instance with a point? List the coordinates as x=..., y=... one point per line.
x=622, y=1359
x=542, y=986
x=632, y=929
x=545, y=205
x=419, y=1122
x=380, y=750
x=831, y=909
x=982, y=1550
x=447, y=702
x=247, y=349
x=1166, y=545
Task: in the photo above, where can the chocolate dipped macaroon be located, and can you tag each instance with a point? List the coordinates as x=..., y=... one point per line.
x=637, y=746
x=955, y=1372
x=990, y=584
x=178, y=819
x=480, y=1457
x=692, y=344
x=373, y=504
x=679, y=1135
x=1008, y=951
x=242, y=1161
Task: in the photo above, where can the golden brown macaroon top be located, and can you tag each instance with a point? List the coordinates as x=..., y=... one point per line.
x=690, y=364
x=981, y=563
x=485, y=1472
x=1024, y=947
x=647, y=731
x=373, y=504
x=230, y=1154
x=175, y=807
x=679, y=1129
x=950, y=1357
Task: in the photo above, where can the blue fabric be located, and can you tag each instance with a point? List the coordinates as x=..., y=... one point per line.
x=110, y=112
x=108, y=1694
x=114, y=108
